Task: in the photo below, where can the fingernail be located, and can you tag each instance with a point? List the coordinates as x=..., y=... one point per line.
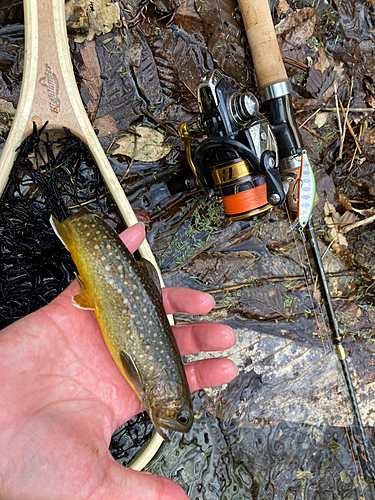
x=212, y=299
x=233, y=335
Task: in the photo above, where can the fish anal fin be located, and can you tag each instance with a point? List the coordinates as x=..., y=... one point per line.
x=61, y=232
x=133, y=375
x=85, y=300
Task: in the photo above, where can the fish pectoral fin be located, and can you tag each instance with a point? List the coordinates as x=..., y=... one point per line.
x=61, y=232
x=85, y=300
x=134, y=376
x=150, y=271
x=80, y=281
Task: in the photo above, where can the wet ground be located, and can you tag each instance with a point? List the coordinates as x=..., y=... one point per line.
x=279, y=430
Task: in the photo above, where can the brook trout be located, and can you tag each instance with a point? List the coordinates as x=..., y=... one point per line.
x=125, y=296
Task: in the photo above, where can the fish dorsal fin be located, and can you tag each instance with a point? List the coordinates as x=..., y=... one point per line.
x=134, y=376
x=62, y=232
x=150, y=270
x=85, y=300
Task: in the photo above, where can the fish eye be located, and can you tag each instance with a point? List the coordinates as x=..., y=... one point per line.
x=183, y=418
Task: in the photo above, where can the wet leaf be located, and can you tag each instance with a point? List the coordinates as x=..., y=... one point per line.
x=91, y=76
x=119, y=97
x=146, y=145
x=323, y=63
x=171, y=68
x=356, y=22
x=98, y=16
x=320, y=76
x=166, y=5
x=298, y=27
x=283, y=7
x=105, y=125
x=347, y=218
x=345, y=203
x=7, y=107
x=321, y=119
x=369, y=135
x=224, y=36
x=332, y=220
x=360, y=223
x=187, y=18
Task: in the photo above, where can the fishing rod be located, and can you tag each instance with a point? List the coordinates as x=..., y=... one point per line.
x=251, y=161
x=294, y=164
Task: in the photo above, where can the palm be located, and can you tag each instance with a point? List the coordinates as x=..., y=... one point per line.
x=63, y=397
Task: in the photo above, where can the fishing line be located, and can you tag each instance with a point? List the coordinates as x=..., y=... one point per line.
x=346, y=373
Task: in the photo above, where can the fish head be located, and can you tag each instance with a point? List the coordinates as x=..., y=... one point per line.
x=170, y=408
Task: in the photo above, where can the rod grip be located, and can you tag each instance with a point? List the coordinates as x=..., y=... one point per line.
x=268, y=64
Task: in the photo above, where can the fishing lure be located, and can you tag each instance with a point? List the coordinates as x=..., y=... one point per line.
x=306, y=190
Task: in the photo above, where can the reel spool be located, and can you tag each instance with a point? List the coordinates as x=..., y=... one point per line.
x=238, y=161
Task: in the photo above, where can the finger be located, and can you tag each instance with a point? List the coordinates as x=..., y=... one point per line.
x=186, y=300
x=124, y=483
x=210, y=373
x=205, y=336
x=133, y=237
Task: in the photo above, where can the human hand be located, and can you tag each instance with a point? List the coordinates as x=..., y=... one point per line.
x=62, y=397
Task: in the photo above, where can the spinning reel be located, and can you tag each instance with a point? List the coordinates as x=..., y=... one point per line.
x=238, y=159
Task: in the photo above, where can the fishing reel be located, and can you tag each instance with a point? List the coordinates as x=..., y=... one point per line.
x=238, y=159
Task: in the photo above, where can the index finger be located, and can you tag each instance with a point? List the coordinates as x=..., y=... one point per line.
x=186, y=300
x=133, y=236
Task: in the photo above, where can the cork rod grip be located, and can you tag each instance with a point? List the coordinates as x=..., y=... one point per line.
x=268, y=64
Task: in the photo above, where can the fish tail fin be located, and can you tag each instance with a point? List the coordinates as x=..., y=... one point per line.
x=62, y=232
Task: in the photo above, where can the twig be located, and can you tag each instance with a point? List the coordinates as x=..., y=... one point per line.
x=329, y=246
x=364, y=222
x=110, y=146
x=347, y=120
x=309, y=118
x=356, y=148
x=312, y=132
x=87, y=202
x=294, y=62
x=186, y=85
x=339, y=121
x=352, y=110
x=132, y=130
x=344, y=127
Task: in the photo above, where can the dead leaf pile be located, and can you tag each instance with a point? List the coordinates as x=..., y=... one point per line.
x=335, y=222
x=97, y=16
x=146, y=144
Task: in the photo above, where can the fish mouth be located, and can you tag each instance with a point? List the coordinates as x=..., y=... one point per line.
x=166, y=428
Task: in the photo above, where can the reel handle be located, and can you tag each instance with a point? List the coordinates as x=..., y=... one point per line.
x=261, y=35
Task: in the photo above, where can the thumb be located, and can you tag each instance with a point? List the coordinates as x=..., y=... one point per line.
x=126, y=484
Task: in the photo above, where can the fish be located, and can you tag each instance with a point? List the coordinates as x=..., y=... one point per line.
x=125, y=296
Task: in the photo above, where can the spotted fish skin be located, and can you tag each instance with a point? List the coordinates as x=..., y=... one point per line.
x=128, y=306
